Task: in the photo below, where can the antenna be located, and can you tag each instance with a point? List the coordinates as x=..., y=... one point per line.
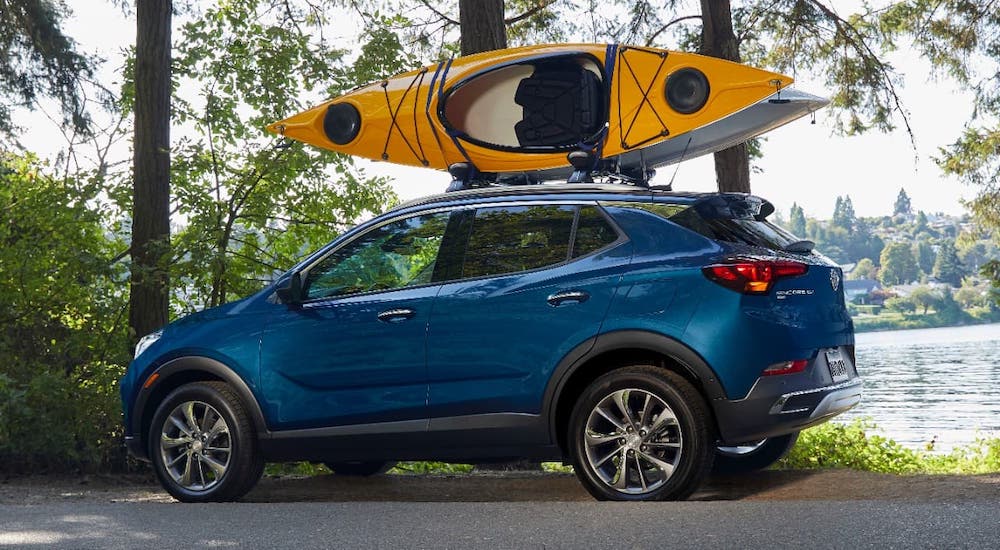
x=670, y=185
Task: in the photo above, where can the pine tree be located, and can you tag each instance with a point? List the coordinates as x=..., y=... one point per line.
x=797, y=221
x=921, y=224
x=39, y=60
x=948, y=268
x=902, y=205
x=843, y=214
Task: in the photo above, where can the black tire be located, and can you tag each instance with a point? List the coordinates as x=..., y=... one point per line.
x=652, y=439
x=359, y=468
x=753, y=457
x=243, y=463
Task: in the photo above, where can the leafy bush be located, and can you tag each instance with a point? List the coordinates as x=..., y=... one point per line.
x=64, y=339
x=835, y=445
x=855, y=446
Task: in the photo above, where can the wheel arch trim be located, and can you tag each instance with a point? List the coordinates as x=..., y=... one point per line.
x=194, y=364
x=695, y=366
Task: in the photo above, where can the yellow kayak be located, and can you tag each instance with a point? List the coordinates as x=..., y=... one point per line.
x=524, y=109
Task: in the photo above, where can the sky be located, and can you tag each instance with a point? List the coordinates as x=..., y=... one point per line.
x=803, y=163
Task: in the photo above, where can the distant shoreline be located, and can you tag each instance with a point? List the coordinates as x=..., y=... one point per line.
x=882, y=323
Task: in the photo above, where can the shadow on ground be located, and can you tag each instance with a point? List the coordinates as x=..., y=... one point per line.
x=800, y=485
x=515, y=487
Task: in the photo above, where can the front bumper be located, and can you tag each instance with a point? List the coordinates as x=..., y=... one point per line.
x=778, y=405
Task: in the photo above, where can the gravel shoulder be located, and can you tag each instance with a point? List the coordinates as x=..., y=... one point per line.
x=785, y=485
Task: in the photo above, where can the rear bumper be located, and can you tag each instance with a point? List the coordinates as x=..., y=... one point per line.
x=779, y=405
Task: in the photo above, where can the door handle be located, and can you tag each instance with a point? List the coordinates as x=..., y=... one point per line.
x=570, y=296
x=396, y=315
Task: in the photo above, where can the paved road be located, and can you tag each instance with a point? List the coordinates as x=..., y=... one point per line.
x=496, y=525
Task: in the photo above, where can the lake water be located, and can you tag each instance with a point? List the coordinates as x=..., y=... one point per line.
x=941, y=384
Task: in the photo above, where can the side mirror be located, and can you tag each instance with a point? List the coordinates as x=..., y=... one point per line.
x=290, y=291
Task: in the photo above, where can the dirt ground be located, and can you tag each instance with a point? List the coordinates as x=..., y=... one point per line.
x=517, y=486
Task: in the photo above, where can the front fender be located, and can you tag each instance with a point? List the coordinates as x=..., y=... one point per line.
x=172, y=374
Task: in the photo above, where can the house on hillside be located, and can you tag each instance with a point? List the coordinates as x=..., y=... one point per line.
x=858, y=291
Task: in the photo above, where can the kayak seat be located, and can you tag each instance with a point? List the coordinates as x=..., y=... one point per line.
x=563, y=103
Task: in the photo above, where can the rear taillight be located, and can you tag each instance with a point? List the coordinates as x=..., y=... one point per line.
x=786, y=367
x=752, y=276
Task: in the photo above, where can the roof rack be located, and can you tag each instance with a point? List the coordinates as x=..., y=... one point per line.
x=585, y=169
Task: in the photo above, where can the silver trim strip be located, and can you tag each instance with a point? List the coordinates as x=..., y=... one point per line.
x=776, y=408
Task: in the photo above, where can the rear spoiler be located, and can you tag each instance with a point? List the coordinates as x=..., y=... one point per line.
x=734, y=206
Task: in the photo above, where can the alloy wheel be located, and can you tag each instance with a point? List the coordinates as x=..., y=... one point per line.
x=195, y=446
x=633, y=441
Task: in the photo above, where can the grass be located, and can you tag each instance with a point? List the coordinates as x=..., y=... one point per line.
x=856, y=446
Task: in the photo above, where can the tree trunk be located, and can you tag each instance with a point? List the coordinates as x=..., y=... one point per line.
x=481, y=24
x=732, y=166
x=149, y=294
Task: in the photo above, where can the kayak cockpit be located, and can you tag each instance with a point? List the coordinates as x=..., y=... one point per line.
x=541, y=105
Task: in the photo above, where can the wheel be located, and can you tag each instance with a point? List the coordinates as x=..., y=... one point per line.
x=751, y=457
x=640, y=433
x=359, y=468
x=203, y=445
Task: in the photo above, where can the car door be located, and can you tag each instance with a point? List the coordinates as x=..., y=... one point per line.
x=534, y=282
x=353, y=351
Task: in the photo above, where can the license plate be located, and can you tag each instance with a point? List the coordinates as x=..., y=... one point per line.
x=838, y=367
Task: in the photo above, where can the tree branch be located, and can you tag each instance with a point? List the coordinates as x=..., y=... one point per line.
x=652, y=37
x=538, y=7
x=443, y=17
x=850, y=34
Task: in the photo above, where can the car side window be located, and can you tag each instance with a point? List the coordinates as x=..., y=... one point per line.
x=398, y=254
x=508, y=239
x=593, y=232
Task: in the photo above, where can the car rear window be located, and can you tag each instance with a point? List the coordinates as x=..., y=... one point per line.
x=593, y=232
x=727, y=219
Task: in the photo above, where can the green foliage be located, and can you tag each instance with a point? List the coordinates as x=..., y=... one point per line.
x=843, y=214
x=835, y=445
x=251, y=209
x=39, y=60
x=62, y=308
x=797, y=221
x=947, y=267
x=902, y=205
x=856, y=446
x=961, y=39
x=431, y=468
x=901, y=304
x=865, y=269
x=924, y=297
x=991, y=270
x=925, y=255
x=898, y=264
x=971, y=297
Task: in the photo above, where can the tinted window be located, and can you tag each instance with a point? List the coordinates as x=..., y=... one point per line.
x=509, y=239
x=593, y=232
x=398, y=254
x=729, y=220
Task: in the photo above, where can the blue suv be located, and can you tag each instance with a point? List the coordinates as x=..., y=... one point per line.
x=638, y=334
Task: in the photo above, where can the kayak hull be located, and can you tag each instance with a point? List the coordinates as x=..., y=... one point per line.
x=757, y=119
x=522, y=110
